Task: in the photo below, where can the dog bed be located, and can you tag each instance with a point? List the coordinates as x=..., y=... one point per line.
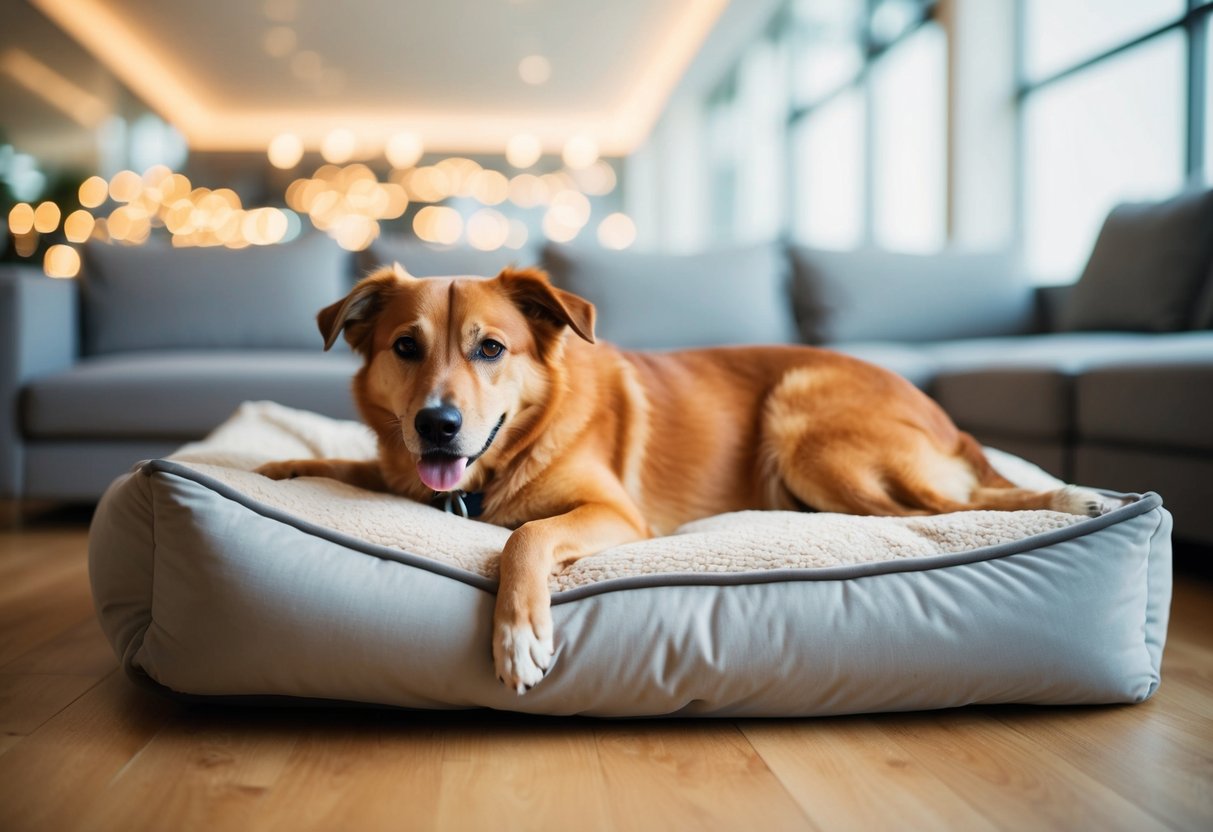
x=213, y=581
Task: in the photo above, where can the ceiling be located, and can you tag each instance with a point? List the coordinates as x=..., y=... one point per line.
x=232, y=74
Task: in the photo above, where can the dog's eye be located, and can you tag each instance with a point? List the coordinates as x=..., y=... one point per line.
x=490, y=350
x=406, y=347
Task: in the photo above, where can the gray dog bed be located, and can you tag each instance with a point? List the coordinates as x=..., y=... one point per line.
x=212, y=581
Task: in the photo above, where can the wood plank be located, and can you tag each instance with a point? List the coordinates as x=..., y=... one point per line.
x=79, y=650
x=53, y=778
x=523, y=772
x=1012, y=779
x=206, y=768
x=29, y=700
x=357, y=769
x=1116, y=745
x=40, y=617
x=698, y=774
x=847, y=773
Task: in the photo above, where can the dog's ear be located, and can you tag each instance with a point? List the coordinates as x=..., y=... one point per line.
x=354, y=313
x=534, y=294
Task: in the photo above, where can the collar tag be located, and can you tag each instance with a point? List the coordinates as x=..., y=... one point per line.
x=460, y=503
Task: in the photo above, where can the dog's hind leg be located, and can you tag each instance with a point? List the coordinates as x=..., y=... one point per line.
x=832, y=457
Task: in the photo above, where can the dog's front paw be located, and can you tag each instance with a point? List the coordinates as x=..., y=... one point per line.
x=285, y=470
x=522, y=652
x=1076, y=500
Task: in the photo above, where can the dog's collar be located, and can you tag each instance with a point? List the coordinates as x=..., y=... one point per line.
x=460, y=503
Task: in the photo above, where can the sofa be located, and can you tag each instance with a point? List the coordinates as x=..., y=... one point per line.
x=1108, y=382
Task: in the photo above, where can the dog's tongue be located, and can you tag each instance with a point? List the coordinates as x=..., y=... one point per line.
x=441, y=473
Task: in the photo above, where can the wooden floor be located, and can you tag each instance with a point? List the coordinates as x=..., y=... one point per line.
x=82, y=748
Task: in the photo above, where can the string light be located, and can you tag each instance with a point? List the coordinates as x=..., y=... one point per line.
x=345, y=200
x=523, y=150
x=46, y=217
x=616, y=231
x=93, y=191
x=285, y=151
x=580, y=152
x=487, y=230
x=338, y=146
x=61, y=261
x=404, y=149
x=78, y=226
x=21, y=219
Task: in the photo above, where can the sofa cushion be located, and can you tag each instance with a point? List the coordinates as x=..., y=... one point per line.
x=156, y=297
x=1160, y=406
x=1028, y=403
x=880, y=296
x=1024, y=387
x=181, y=395
x=1147, y=269
x=424, y=260
x=1203, y=319
x=669, y=301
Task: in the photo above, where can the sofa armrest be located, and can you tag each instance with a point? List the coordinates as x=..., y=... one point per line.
x=39, y=334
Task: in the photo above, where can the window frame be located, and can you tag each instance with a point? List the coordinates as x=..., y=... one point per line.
x=1197, y=15
x=872, y=51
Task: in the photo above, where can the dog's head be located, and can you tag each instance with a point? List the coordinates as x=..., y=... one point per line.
x=450, y=363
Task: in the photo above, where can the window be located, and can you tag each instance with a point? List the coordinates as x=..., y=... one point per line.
x=1208, y=82
x=909, y=137
x=1106, y=117
x=829, y=176
x=869, y=124
x=1110, y=134
x=1060, y=33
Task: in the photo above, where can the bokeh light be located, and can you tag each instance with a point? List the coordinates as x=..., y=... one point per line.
x=487, y=230
x=93, y=191
x=523, y=150
x=279, y=41
x=46, y=217
x=535, y=70
x=339, y=146
x=404, y=149
x=438, y=224
x=517, y=236
x=78, y=226
x=125, y=186
x=616, y=231
x=580, y=151
x=596, y=180
x=21, y=218
x=61, y=261
x=285, y=151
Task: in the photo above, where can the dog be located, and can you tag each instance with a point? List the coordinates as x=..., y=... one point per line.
x=497, y=387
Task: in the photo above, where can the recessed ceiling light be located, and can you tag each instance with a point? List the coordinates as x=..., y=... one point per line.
x=535, y=69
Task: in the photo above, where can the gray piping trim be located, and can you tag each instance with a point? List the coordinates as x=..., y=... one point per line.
x=1142, y=504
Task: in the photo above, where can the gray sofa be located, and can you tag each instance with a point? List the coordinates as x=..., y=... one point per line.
x=153, y=347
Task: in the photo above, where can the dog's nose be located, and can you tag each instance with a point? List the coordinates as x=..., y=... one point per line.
x=438, y=424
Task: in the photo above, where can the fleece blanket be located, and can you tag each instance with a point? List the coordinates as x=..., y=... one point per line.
x=744, y=541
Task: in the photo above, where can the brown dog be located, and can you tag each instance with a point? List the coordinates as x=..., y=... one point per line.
x=476, y=386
